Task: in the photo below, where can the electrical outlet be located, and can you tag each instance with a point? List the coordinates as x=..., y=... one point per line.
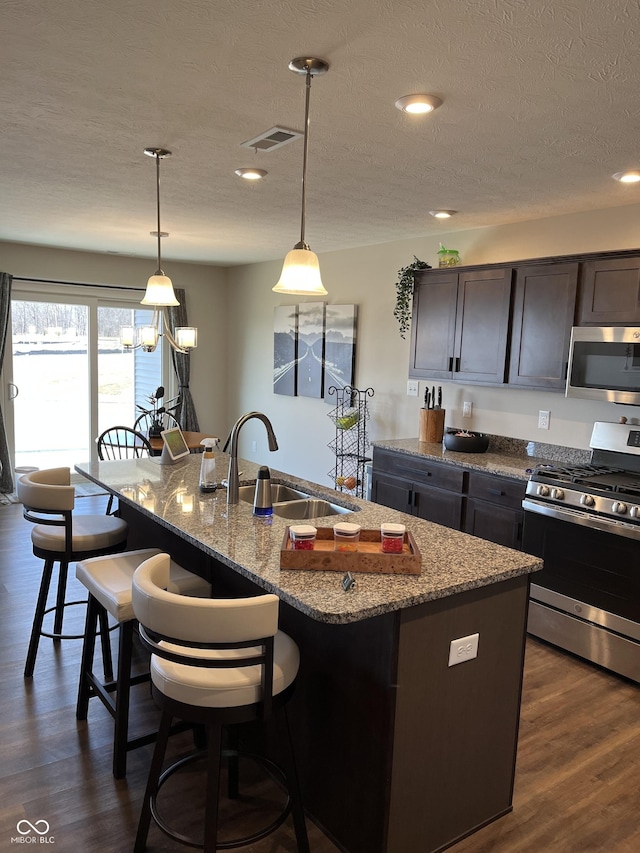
x=412, y=388
x=465, y=648
x=543, y=419
x=466, y=409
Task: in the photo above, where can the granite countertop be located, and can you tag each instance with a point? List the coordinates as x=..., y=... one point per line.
x=506, y=457
x=452, y=562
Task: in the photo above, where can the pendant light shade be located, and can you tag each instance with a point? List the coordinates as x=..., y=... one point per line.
x=159, y=291
x=301, y=274
x=301, y=270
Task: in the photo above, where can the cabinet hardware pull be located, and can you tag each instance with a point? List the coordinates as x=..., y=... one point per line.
x=451, y=364
x=457, y=370
x=566, y=369
x=497, y=492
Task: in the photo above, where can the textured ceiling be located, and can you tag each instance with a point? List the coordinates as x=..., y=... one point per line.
x=541, y=106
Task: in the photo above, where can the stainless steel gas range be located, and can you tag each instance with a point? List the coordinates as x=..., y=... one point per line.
x=584, y=521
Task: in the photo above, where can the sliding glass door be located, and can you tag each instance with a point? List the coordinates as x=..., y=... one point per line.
x=69, y=378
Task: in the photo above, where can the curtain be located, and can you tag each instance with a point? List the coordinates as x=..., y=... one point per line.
x=6, y=475
x=187, y=418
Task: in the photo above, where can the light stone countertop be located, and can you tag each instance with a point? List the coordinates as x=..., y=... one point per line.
x=505, y=457
x=452, y=562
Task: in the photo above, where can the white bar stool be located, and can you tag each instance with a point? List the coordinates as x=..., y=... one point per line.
x=108, y=581
x=217, y=663
x=48, y=500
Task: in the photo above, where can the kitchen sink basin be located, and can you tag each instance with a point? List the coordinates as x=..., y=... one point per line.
x=308, y=508
x=293, y=503
x=279, y=493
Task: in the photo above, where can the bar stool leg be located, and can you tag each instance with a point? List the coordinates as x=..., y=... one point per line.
x=214, y=734
x=62, y=590
x=107, y=661
x=233, y=776
x=293, y=781
x=36, y=628
x=123, y=693
x=152, y=782
x=86, y=661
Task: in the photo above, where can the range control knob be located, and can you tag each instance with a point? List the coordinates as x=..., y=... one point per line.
x=634, y=512
x=619, y=507
x=557, y=494
x=587, y=500
x=543, y=491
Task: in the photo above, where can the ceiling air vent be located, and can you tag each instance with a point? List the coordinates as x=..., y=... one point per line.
x=271, y=139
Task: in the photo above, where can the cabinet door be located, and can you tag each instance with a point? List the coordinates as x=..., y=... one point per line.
x=433, y=325
x=390, y=491
x=610, y=292
x=482, y=326
x=438, y=506
x=496, y=523
x=543, y=313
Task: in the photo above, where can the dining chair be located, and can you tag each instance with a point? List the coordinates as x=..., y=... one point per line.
x=122, y=442
x=217, y=663
x=48, y=500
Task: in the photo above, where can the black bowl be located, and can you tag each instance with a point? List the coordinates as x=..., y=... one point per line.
x=472, y=442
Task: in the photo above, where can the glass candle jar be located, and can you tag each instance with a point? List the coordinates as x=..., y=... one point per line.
x=392, y=538
x=346, y=536
x=303, y=537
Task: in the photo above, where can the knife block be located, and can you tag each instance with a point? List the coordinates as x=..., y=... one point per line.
x=431, y=425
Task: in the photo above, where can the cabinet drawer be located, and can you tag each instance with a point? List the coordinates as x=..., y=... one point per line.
x=497, y=490
x=420, y=470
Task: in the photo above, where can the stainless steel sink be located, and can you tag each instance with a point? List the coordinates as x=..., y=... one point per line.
x=309, y=508
x=279, y=493
x=295, y=504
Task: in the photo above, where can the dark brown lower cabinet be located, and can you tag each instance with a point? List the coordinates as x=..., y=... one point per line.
x=494, y=509
x=485, y=505
x=420, y=487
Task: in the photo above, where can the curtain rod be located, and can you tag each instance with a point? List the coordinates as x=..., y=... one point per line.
x=74, y=283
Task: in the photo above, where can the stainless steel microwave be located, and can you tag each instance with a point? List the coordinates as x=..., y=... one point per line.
x=604, y=364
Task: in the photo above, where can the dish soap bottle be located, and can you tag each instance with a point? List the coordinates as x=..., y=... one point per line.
x=208, y=467
x=262, y=500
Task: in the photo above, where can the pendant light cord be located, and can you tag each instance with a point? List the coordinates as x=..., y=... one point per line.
x=302, y=244
x=159, y=272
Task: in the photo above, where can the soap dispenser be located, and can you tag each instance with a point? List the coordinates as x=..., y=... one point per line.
x=208, y=467
x=262, y=500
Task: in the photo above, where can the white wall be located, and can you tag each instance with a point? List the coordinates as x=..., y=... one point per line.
x=367, y=278
x=206, y=292
x=233, y=310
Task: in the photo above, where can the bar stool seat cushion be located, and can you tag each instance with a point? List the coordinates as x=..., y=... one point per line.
x=109, y=578
x=223, y=688
x=90, y=533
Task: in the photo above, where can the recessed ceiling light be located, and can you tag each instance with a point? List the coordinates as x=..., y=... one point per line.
x=251, y=174
x=442, y=214
x=418, y=104
x=630, y=177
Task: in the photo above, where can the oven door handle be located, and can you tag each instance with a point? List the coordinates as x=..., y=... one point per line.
x=576, y=516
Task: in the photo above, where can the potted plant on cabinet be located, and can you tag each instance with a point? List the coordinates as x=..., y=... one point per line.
x=404, y=293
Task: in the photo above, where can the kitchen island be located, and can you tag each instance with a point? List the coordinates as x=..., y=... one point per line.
x=398, y=751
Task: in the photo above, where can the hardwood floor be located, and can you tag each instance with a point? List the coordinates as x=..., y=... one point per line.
x=577, y=782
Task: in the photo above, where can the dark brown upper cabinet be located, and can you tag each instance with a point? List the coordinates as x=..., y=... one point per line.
x=544, y=307
x=610, y=292
x=460, y=325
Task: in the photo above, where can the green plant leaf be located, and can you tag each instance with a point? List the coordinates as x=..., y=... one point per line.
x=404, y=293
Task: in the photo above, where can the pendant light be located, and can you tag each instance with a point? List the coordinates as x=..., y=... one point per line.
x=301, y=271
x=159, y=294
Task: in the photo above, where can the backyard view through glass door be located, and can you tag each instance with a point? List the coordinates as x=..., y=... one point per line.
x=69, y=392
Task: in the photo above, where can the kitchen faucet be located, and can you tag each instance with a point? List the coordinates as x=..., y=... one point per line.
x=233, y=484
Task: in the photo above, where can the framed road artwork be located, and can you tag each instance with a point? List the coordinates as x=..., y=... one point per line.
x=310, y=349
x=339, y=348
x=285, y=349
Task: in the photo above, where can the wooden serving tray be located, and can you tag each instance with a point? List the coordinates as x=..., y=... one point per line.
x=368, y=557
